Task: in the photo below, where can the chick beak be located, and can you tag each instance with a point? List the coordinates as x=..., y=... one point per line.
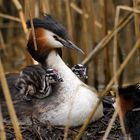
x=69, y=44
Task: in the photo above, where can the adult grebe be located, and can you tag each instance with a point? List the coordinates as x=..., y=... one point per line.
x=71, y=100
x=71, y=93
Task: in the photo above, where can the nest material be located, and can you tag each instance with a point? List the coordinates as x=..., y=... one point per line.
x=95, y=131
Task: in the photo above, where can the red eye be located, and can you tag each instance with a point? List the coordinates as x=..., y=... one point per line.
x=55, y=37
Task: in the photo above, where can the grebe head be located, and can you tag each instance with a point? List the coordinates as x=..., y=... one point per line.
x=49, y=35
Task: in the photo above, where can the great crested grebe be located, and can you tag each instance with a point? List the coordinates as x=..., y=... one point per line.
x=129, y=103
x=71, y=93
x=71, y=100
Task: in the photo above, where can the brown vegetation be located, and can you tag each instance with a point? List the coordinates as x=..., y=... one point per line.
x=107, y=31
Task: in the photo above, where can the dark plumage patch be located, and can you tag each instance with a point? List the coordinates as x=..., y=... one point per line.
x=50, y=24
x=38, y=56
x=132, y=124
x=130, y=92
x=130, y=100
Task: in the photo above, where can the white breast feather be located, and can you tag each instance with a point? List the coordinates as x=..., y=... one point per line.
x=79, y=99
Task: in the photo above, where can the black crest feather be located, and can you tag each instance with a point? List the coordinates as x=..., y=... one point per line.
x=50, y=24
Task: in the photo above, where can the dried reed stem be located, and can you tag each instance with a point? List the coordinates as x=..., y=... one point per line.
x=129, y=9
x=70, y=30
x=86, y=15
x=103, y=43
x=2, y=44
x=45, y=6
x=32, y=26
x=121, y=68
x=104, y=16
x=21, y=15
x=23, y=22
x=2, y=130
x=66, y=131
x=2, y=41
x=136, y=19
x=92, y=21
x=79, y=10
x=91, y=37
x=123, y=128
x=112, y=121
x=10, y=17
x=115, y=53
x=69, y=21
x=106, y=50
x=123, y=65
x=9, y=103
x=110, y=125
x=85, y=37
x=108, y=38
x=70, y=26
x=59, y=5
x=116, y=32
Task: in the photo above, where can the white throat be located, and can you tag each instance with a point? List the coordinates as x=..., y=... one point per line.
x=54, y=61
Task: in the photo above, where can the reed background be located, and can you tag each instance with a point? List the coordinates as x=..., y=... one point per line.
x=87, y=22
x=113, y=26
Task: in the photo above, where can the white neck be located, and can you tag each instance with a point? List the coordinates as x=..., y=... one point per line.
x=73, y=98
x=54, y=61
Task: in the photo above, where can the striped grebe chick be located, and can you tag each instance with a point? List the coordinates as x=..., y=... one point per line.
x=80, y=70
x=35, y=81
